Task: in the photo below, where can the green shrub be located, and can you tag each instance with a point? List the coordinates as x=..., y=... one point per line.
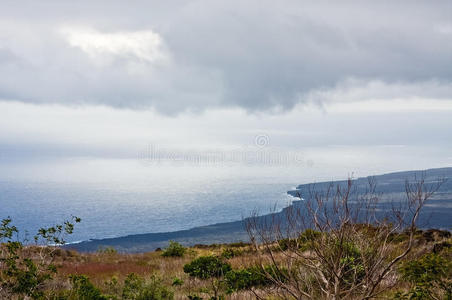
x=83, y=289
x=133, y=284
x=429, y=268
x=430, y=277
x=416, y=293
x=112, y=287
x=206, y=267
x=308, y=237
x=136, y=288
x=155, y=290
x=256, y=276
x=245, y=279
x=209, y=267
x=230, y=253
x=174, y=250
x=177, y=282
x=24, y=274
x=285, y=244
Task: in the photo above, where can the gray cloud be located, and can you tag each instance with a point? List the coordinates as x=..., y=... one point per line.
x=257, y=55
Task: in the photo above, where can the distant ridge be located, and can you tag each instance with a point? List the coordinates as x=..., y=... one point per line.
x=437, y=214
x=393, y=181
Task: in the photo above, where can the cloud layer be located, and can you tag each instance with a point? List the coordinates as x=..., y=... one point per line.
x=193, y=55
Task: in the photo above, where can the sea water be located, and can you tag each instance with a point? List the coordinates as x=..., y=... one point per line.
x=117, y=198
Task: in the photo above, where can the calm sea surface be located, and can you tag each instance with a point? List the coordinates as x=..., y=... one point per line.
x=129, y=198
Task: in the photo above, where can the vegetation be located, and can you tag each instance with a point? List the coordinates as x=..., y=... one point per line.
x=25, y=271
x=343, y=256
x=430, y=277
x=174, y=250
x=136, y=288
x=209, y=267
x=82, y=288
x=250, y=278
x=337, y=243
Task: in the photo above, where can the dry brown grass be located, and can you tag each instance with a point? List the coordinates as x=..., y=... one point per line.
x=102, y=267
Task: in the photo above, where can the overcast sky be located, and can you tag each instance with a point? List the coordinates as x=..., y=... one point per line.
x=354, y=82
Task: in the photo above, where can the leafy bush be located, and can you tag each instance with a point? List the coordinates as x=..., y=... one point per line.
x=206, y=267
x=133, y=284
x=245, y=279
x=177, y=282
x=352, y=262
x=83, y=289
x=112, y=287
x=430, y=277
x=253, y=277
x=209, y=267
x=284, y=244
x=136, y=288
x=308, y=237
x=24, y=270
x=230, y=253
x=174, y=250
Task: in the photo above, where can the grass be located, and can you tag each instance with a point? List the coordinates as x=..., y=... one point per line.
x=101, y=267
x=108, y=269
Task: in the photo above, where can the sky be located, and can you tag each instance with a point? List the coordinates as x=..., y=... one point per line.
x=339, y=87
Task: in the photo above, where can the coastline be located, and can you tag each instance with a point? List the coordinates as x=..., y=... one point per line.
x=391, y=185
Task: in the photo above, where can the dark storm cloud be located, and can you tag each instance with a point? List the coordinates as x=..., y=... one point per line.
x=257, y=55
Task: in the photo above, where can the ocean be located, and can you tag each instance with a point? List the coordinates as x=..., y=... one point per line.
x=126, y=197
